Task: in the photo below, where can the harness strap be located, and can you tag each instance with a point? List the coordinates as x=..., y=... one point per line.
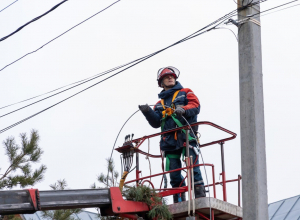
x=168, y=157
x=174, y=96
x=180, y=125
x=170, y=112
x=167, y=111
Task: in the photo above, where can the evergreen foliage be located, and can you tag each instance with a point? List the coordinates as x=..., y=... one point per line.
x=21, y=159
x=111, y=178
x=63, y=214
x=145, y=194
x=108, y=180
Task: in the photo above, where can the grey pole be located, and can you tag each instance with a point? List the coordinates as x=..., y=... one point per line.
x=253, y=152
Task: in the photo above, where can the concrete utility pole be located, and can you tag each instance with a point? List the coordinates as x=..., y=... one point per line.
x=253, y=153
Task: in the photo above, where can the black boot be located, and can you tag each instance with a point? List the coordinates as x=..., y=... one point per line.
x=200, y=191
x=183, y=197
x=175, y=198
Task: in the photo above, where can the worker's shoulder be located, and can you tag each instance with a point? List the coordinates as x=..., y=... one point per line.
x=187, y=91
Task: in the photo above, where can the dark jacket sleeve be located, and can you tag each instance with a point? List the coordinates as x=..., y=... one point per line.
x=154, y=116
x=193, y=106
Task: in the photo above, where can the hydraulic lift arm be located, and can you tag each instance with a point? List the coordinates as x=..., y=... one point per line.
x=32, y=200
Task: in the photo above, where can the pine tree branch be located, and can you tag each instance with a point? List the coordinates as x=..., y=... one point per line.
x=6, y=172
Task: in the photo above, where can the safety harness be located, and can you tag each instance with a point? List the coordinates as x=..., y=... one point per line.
x=169, y=112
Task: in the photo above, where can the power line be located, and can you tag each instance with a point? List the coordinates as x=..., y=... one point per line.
x=58, y=36
x=282, y=9
x=262, y=13
x=278, y=6
x=33, y=20
x=195, y=34
x=106, y=72
x=83, y=80
x=137, y=61
x=89, y=79
x=9, y=5
x=76, y=84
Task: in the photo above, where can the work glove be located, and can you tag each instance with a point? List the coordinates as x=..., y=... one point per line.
x=144, y=108
x=179, y=111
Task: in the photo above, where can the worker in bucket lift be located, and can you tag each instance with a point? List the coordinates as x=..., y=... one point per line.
x=176, y=102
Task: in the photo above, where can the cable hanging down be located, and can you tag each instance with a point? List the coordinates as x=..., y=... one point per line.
x=33, y=20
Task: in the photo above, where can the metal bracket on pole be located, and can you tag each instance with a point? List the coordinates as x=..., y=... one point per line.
x=240, y=22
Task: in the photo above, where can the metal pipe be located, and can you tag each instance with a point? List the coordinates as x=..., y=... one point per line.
x=223, y=172
x=137, y=172
x=187, y=144
x=239, y=190
x=187, y=156
x=214, y=181
x=148, y=181
x=220, y=183
x=202, y=216
x=193, y=186
x=189, y=185
x=183, y=168
x=139, y=141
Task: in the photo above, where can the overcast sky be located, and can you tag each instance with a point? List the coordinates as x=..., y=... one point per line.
x=78, y=135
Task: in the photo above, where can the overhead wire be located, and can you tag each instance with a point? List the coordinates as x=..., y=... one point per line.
x=100, y=73
x=78, y=83
x=58, y=36
x=197, y=33
x=281, y=9
x=36, y=96
x=278, y=6
x=33, y=20
x=8, y=5
x=65, y=33
x=262, y=13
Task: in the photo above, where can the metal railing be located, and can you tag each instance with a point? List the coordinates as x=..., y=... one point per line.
x=141, y=180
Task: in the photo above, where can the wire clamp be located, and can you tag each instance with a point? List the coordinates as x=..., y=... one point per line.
x=240, y=22
x=233, y=22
